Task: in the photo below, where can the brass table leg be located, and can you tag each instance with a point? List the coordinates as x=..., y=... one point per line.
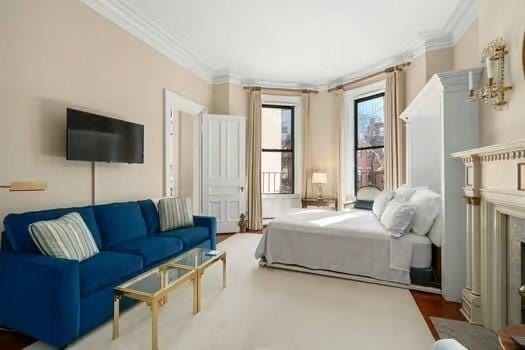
x=224, y=271
x=195, y=293
x=199, y=290
x=154, y=324
x=116, y=315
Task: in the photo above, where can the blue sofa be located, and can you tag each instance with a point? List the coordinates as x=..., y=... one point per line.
x=57, y=300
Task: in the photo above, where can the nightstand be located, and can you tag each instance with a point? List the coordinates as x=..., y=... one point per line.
x=327, y=203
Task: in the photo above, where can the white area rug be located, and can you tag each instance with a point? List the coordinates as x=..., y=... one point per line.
x=271, y=309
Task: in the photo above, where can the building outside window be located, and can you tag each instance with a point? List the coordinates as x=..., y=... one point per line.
x=277, y=159
x=370, y=141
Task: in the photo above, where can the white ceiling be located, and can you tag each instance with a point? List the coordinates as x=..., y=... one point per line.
x=291, y=42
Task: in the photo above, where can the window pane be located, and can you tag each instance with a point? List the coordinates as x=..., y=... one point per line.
x=276, y=127
x=370, y=122
x=370, y=170
x=277, y=172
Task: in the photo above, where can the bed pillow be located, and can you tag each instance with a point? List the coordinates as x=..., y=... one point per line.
x=404, y=192
x=380, y=202
x=436, y=231
x=398, y=217
x=427, y=205
x=65, y=238
x=175, y=213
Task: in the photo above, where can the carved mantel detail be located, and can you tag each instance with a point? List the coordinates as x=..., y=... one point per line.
x=495, y=195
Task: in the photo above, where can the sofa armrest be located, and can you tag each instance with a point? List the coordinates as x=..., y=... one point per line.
x=40, y=296
x=209, y=222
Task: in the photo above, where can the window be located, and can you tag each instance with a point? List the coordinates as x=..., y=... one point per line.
x=369, y=141
x=277, y=140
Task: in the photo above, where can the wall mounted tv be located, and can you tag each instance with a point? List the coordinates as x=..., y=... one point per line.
x=96, y=138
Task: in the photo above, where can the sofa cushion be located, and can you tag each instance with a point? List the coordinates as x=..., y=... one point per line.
x=107, y=269
x=152, y=249
x=151, y=215
x=17, y=226
x=190, y=236
x=120, y=222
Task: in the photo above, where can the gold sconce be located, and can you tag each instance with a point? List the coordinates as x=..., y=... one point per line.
x=25, y=186
x=493, y=92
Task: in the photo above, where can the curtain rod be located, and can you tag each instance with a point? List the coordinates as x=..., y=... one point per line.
x=387, y=70
x=260, y=88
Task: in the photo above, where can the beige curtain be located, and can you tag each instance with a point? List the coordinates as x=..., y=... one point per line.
x=340, y=105
x=307, y=166
x=394, y=130
x=254, y=162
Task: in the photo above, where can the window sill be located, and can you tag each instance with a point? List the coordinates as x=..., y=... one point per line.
x=281, y=196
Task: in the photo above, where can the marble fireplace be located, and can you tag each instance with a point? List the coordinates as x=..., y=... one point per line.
x=494, y=192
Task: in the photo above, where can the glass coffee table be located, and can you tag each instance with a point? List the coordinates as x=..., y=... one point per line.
x=152, y=288
x=199, y=259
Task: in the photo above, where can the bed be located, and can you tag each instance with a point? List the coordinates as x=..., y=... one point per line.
x=350, y=242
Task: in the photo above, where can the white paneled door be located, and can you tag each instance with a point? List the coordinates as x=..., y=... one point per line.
x=223, y=169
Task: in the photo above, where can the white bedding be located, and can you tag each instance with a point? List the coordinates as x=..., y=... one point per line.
x=351, y=242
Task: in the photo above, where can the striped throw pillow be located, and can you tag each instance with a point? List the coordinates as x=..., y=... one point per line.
x=175, y=213
x=67, y=238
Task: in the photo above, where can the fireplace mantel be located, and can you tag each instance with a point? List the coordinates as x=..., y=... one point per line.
x=494, y=189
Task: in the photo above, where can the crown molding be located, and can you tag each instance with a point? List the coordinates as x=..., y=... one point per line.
x=131, y=20
x=124, y=15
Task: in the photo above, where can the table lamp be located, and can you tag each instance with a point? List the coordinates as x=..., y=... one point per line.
x=25, y=186
x=320, y=179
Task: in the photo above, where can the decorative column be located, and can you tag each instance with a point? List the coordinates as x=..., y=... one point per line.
x=471, y=296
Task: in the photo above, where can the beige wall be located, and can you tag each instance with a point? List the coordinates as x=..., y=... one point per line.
x=324, y=145
x=466, y=51
x=59, y=53
x=438, y=61
x=221, y=96
x=508, y=18
x=415, y=78
x=230, y=99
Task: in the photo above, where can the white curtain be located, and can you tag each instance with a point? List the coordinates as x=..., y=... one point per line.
x=307, y=166
x=254, y=162
x=394, y=130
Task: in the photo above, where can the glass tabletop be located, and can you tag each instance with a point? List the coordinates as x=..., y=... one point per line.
x=156, y=280
x=196, y=257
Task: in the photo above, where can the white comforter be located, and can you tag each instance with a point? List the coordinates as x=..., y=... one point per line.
x=351, y=242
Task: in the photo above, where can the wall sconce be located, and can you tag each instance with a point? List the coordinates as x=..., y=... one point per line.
x=25, y=186
x=493, y=92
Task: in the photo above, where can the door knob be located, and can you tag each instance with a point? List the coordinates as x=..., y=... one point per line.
x=242, y=188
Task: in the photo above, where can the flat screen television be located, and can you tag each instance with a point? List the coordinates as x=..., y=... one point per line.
x=96, y=138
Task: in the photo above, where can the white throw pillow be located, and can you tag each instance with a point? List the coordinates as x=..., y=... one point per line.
x=380, y=202
x=404, y=192
x=427, y=205
x=397, y=217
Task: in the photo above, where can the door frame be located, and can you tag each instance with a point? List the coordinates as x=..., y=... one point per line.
x=174, y=104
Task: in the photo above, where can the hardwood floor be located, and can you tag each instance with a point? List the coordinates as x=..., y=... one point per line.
x=429, y=305
x=14, y=340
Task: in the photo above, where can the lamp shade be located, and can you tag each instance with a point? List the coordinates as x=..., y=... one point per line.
x=319, y=178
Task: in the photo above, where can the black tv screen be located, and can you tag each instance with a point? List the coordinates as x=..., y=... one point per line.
x=96, y=138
